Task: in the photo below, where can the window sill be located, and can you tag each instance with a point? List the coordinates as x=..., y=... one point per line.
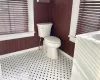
x=72, y=38
x=16, y=36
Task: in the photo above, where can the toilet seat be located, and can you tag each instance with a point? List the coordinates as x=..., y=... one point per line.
x=52, y=39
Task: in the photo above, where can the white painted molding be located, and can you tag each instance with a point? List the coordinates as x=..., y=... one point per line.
x=62, y=52
x=31, y=15
x=74, y=20
x=72, y=38
x=16, y=36
x=19, y=52
x=46, y=1
x=37, y=0
x=32, y=49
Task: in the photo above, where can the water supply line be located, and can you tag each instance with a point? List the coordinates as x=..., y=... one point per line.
x=40, y=48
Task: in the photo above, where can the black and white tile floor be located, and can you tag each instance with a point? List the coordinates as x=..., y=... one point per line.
x=34, y=65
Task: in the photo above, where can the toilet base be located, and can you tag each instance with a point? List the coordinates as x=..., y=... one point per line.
x=52, y=53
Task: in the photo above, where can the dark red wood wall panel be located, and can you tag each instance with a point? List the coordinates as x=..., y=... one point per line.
x=42, y=14
x=61, y=17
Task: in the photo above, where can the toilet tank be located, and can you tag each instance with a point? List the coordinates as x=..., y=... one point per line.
x=44, y=29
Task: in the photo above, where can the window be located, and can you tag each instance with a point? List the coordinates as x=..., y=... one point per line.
x=16, y=19
x=89, y=16
x=86, y=18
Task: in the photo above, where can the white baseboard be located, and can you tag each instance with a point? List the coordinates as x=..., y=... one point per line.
x=62, y=52
x=18, y=52
x=31, y=49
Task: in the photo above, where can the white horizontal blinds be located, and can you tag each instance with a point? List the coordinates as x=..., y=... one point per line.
x=13, y=16
x=18, y=15
x=4, y=18
x=89, y=16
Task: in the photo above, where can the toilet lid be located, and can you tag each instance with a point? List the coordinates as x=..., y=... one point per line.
x=52, y=39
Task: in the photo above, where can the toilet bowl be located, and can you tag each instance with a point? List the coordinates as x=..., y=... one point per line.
x=51, y=45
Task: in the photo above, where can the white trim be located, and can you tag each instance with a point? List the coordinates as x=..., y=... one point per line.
x=16, y=36
x=65, y=54
x=72, y=38
x=31, y=30
x=37, y=0
x=74, y=19
x=32, y=49
x=31, y=15
x=18, y=52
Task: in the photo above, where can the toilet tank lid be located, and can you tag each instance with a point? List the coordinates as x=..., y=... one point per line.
x=52, y=39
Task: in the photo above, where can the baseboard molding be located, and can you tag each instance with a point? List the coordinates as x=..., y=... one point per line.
x=19, y=52
x=62, y=52
x=31, y=49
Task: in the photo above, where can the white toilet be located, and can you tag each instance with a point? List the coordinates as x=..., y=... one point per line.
x=50, y=43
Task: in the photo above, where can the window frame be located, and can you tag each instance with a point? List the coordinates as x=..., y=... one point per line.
x=30, y=32
x=74, y=20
